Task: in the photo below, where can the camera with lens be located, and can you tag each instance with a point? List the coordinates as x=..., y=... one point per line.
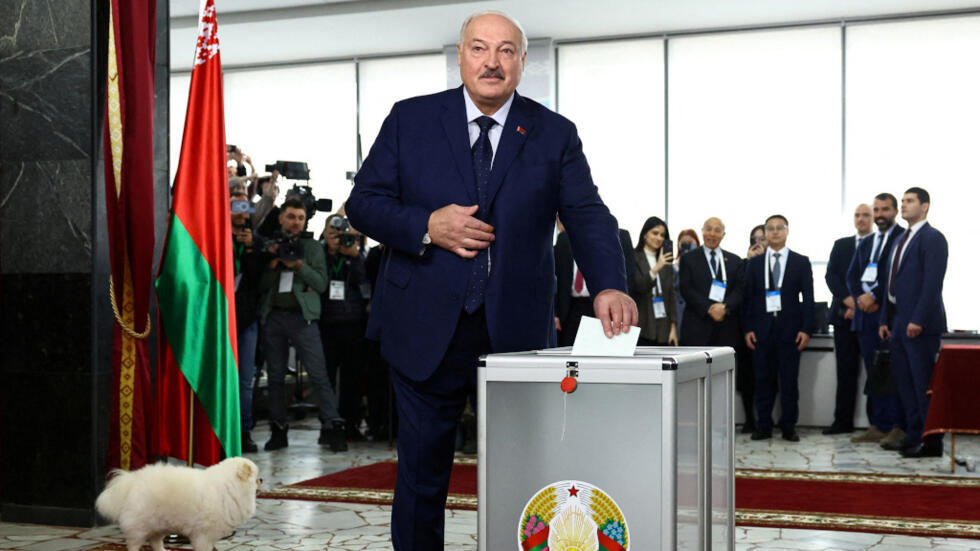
x=310, y=203
x=290, y=246
x=342, y=225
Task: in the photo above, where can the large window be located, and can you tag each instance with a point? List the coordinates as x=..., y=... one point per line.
x=755, y=129
x=305, y=113
x=912, y=120
x=382, y=82
x=614, y=93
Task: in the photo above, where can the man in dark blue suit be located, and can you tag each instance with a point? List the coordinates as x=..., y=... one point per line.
x=846, y=348
x=915, y=317
x=777, y=316
x=864, y=283
x=463, y=188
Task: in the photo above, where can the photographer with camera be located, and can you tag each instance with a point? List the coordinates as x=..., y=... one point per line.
x=249, y=263
x=268, y=191
x=238, y=173
x=290, y=309
x=344, y=318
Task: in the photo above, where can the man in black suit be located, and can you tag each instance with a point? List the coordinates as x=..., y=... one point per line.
x=572, y=300
x=842, y=307
x=778, y=320
x=886, y=423
x=711, y=283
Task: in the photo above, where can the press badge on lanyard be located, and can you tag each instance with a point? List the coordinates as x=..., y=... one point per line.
x=773, y=301
x=659, y=308
x=337, y=289
x=717, y=293
x=870, y=273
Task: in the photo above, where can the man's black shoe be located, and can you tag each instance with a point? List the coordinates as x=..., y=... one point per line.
x=923, y=450
x=832, y=429
x=279, y=438
x=790, y=435
x=748, y=428
x=898, y=446
x=335, y=437
x=761, y=435
x=248, y=445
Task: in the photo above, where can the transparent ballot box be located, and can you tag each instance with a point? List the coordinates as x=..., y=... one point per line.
x=640, y=456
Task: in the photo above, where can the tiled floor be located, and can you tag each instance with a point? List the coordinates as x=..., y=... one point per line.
x=304, y=525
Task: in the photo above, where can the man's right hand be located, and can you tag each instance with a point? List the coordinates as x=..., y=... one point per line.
x=866, y=302
x=750, y=340
x=455, y=229
x=884, y=332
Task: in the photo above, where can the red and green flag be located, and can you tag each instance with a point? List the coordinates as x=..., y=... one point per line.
x=197, y=405
x=128, y=149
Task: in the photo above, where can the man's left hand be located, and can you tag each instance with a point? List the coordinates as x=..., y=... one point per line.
x=849, y=314
x=293, y=264
x=913, y=330
x=802, y=339
x=616, y=310
x=717, y=311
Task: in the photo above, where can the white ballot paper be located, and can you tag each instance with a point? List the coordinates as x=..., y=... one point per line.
x=592, y=341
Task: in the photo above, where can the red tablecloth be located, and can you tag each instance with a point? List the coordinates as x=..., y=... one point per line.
x=955, y=389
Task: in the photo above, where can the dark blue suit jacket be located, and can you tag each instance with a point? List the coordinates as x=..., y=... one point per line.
x=796, y=314
x=919, y=283
x=856, y=270
x=836, y=278
x=421, y=162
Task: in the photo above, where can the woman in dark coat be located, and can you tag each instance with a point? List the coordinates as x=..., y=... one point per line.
x=653, y=285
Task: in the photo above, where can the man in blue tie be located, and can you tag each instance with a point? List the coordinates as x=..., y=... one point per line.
x=886, y=424
x=914, y=318
x=463, y=188
x=777, y=318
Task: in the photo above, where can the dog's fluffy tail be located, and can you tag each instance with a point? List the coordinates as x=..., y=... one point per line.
x=110, y=502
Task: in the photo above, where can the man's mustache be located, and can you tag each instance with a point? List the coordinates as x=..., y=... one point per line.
x=492, y=73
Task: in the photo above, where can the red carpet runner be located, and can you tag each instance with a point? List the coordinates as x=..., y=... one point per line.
x=890, y=504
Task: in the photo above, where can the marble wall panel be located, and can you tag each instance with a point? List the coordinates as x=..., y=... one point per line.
x=45, y=217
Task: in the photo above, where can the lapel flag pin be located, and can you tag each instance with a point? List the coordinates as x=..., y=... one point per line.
x=522, y=131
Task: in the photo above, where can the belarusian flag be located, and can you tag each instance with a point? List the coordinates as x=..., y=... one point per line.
x=195, y=285
x=128, y=143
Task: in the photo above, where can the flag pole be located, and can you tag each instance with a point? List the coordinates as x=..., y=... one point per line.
x=190, y=432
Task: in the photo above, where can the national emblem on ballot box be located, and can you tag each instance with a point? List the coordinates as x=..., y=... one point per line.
x=572, y=515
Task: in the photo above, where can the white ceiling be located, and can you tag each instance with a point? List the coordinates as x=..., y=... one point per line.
x=281, y=31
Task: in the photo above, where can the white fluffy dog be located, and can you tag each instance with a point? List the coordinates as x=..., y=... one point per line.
x=203, y=504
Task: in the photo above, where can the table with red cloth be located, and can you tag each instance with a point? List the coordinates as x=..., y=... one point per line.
x=955, y=390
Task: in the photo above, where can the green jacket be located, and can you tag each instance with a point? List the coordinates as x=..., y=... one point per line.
x=308, y=283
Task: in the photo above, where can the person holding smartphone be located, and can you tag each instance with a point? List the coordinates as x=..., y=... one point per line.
x=652, y=286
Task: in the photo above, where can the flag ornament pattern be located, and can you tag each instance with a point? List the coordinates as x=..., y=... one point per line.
x=195, y=283
x=128, y=128
x=572, y=515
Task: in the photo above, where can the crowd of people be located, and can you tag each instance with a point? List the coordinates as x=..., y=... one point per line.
x=762, y=305
x=314, y=295
x=292, y=290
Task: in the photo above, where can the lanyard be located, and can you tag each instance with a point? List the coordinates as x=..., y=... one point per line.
x=336, y=269
x=721, y=266
x=783, y=258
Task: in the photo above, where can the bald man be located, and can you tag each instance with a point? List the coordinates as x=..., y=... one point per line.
x=710, y=281
x=846, y=346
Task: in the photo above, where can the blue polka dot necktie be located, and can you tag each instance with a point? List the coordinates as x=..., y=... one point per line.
x=482, y=153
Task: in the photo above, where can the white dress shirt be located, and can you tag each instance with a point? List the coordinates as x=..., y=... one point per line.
x=473, y=112
x=770, y=260
x=720, y=259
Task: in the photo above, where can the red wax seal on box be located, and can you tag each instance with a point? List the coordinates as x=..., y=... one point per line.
x=569, y=384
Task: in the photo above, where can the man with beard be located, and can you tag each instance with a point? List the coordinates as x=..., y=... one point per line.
x=884, y=413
